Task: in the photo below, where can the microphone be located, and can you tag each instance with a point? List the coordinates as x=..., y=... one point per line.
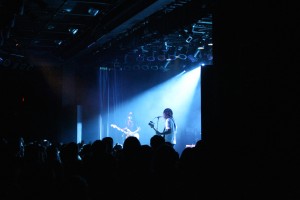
x=158, y=117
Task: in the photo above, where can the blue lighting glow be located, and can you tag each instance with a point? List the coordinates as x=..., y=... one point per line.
x=180, y=93
x=79, y=132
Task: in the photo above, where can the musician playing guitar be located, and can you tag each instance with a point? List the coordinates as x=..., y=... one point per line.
x=127, y=132
x=131, y=128
x=170, y=129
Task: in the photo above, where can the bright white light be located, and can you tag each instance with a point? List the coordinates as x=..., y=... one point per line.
x=100, y=127
x=79, y=132
x=93, y=11
x=79, y=124
x=179, y=93
x=73, y=30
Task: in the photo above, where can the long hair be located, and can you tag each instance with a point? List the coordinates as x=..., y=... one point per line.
x=168, y=112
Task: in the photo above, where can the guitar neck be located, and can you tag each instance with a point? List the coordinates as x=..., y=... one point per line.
x=155, y=129
x=125, y=130
x=116, y=127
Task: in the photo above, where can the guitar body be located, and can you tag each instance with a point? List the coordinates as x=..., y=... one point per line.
x=132, y=134
x=127, y=132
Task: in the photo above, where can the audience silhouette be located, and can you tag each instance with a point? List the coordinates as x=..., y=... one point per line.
x=39, y=170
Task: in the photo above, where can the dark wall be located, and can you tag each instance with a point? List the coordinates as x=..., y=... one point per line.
x=80, y=89
x=249, y=96
x=31, y=103
x=87, y=92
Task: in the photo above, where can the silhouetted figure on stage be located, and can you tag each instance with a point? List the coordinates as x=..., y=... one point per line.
x=170, y=128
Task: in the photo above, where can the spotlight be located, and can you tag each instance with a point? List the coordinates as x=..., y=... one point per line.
x=58, y=42
x=93, y=11
x=189, y=39
x=67, y=10
x=73, y=30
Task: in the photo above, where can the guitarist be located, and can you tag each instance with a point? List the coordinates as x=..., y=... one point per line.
x=132, y=127
x=170, y=129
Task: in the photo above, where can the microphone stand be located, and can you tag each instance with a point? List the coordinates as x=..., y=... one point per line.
x=157, y=126
x=157, y=123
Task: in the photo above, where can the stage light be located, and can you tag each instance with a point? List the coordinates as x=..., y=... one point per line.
x=93, y=11
x=67, y=10
x=79, y=124
x=189, y=39
x=73, y=30
x=58, y=42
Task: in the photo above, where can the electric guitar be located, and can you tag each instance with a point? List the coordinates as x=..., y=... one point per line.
x=127, y=132
x=151, y=124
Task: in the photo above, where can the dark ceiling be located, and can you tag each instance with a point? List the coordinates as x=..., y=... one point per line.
x=110, y=31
